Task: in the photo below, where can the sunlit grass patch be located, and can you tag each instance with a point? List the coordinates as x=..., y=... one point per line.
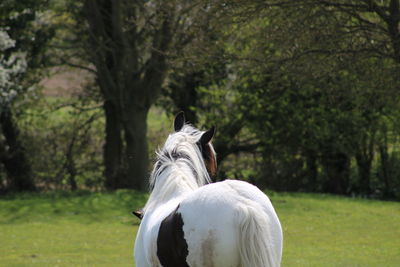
x=323, y=230
x=97, y=229
x=69, y=229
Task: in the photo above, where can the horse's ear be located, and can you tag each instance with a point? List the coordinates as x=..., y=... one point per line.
x=207, y=136
x=179, y=121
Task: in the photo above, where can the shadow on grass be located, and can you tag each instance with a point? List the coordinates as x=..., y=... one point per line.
x=81, y=206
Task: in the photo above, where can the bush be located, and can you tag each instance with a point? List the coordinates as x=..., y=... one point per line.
x=64, y=140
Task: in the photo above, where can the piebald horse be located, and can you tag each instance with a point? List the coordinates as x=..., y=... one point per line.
x=189, y=221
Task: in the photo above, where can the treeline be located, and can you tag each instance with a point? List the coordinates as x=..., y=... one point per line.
x=304, y=94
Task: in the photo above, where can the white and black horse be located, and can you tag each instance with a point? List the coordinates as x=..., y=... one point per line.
x=188, y=221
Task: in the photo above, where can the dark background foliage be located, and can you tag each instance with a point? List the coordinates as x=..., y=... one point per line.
x=304, y=94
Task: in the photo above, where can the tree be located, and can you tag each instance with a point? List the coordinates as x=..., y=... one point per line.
x=22, y=41
x=316, y=81
x=375, y=24
x=129, y=46
x=367, y=31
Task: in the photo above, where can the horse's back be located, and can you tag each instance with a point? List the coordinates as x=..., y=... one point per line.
x=212, y=218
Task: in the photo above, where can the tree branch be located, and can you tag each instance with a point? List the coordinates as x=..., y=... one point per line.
x=377, y=9
x=74, y=65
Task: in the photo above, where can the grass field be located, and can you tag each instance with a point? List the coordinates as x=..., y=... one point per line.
x=96, y=229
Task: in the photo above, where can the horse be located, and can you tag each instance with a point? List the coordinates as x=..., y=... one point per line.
x=190, y=221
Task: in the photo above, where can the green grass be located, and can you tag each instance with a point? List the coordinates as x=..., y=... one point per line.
x=68, y=229
x=96, y=229
x=322, y=230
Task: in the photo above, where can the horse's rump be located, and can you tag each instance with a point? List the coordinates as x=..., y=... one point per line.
x=222, y=221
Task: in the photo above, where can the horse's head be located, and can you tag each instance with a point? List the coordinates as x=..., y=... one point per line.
x=188, y=147
x=203, y=143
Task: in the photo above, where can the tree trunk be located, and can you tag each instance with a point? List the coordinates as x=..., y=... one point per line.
x=70, y=165
x=14, y=159
x=393, y=22
x=136, y=156
x=337, y=168
x=364, y=157
x=131, y=65
x=386, y=167
x=311, y=171
x=364, y=165
x=113, y=148
x=125, y=151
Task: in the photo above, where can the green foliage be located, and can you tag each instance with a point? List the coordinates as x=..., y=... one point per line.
x=68, y=148
x=304, y=95
x=10, y=68
x=25, y=24
x=160, y=126
x=308, y=102
x=24, y=36
x=67, y=151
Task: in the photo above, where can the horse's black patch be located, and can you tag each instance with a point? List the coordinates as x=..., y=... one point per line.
x=172, y=248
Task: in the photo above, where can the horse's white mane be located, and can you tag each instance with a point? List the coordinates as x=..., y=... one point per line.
x=179, y=166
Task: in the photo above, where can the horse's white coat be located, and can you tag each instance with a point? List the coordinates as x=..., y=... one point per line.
x=212, y=218
x=230, y=223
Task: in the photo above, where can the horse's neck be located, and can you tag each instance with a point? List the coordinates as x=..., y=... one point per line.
x=173, y=184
